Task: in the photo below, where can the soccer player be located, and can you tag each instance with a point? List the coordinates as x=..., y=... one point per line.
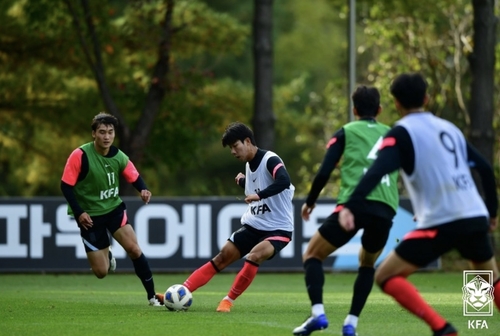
x=357, y=142
x=435, y=159
x=90, y=184
x=267, y=224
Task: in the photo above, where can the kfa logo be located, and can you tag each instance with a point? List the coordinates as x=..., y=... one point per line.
x=478, y=293
x=113, y=192
x=260, y=209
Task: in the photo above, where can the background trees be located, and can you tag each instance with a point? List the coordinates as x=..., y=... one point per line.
x=178, y=71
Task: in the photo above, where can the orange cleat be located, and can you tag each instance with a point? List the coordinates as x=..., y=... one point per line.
x=160, y=298
x=224, y=306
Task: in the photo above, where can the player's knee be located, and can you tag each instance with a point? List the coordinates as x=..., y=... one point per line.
x=133, y=251
x=100, y=273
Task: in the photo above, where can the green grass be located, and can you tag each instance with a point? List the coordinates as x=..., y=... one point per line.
x=273, y=305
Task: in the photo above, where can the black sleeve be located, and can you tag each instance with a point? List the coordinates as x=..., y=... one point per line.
x=139, y=184
x=481, y=165
x=281, y=178
x=390, y=158
x=332, y=157
x=241, y=182
x=67, y=191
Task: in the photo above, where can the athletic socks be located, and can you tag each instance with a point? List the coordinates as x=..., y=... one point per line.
x=362, y=288
x=201, y=276
x=144, y=273
x=407, y=296
x=315, y=279
x=496, y=293
x=243, y=279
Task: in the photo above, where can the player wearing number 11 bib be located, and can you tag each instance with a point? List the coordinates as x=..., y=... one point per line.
x=357, y=144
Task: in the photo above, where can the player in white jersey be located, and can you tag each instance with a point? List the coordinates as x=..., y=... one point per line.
x=267, y=224
x=435, y=159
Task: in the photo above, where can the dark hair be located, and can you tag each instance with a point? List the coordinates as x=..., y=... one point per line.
x=237, y=132
x=366, y=100
x=410, y=90
x=104, y=118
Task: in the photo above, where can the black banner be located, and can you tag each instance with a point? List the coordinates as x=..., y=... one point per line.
x=176, y=234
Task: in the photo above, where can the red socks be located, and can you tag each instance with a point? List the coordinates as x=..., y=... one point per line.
x=407, y=296
x=201, y=276
x=243, y=279
x=496, y=293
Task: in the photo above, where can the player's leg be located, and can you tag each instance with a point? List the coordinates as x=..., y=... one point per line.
x=373, y=241
x=324, y=242
x=418, y=249
x=96, y=242
x=201, y=276
x=267, y=244
x=125, y=235
x=477, y=248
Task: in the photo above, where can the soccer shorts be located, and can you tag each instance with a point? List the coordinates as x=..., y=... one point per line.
x=97, y=237
x=247, y=237
x=468, y=236
x=375, y=231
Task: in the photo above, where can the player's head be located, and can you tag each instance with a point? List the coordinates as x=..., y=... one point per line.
x=104, y=118
x=410, y=90
x=366, y=101
x=237, y=132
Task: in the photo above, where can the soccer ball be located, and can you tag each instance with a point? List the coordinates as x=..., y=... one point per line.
x=177, y=298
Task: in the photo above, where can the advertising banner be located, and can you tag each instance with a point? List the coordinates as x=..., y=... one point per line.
x=176, y=235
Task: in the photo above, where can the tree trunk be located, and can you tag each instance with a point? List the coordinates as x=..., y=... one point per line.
x=482, y=62
x=263, y=117
x=133, y=142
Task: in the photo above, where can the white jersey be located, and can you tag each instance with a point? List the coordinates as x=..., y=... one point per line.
x=441, y=187
x=273, y=213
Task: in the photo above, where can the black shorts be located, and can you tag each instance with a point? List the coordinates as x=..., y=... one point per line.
x=97, y=237
x=247, y=237
x=375, y=234
x=468, y=236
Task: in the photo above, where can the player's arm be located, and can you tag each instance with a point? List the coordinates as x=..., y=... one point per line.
x=76, y=169
x=280, y=175
x=132, y=176
x=334, y=151
x=481, y=165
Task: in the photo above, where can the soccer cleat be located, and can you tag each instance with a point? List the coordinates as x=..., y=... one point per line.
x=311, y=324
x=447, y=330
x=161, y=298
x=154, y=302
x=112, y=261
x=224, y=306
x=348, y=330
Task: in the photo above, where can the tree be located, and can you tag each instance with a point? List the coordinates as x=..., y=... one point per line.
x=482, y=66
x=263, y=117
x=132, y=141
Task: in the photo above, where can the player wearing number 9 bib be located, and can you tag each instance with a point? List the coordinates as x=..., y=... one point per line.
x=435, y=160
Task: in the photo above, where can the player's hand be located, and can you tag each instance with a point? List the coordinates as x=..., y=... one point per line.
x=493, y=224
x=146, y=196
x=306, y=211
x=252, y=198
x=238, y=177
x=85, y=221
x=346, y=219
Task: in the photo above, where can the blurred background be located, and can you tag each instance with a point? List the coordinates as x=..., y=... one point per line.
x=176, y=72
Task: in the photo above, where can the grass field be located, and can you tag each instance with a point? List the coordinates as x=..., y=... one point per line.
x=273, y=305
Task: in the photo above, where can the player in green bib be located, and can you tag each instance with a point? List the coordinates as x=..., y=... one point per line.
x=90, y=184
x=357, y=143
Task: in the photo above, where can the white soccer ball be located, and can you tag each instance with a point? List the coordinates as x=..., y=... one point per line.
x=177, y=298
